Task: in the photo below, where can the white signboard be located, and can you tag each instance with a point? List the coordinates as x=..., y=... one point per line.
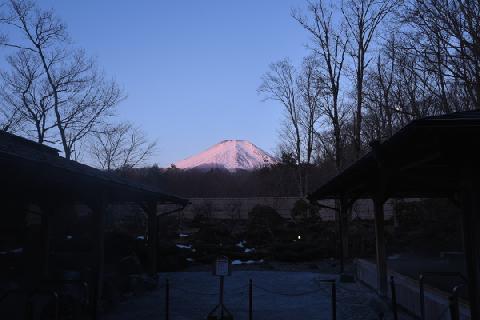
x=222, y=267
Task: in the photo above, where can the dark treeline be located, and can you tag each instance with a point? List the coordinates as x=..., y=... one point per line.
x=278, y=180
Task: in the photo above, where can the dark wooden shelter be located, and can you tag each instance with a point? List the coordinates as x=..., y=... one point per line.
x=434, y=157
x=35, y=174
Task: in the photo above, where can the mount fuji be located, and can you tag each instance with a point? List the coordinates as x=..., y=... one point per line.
x=230, y=155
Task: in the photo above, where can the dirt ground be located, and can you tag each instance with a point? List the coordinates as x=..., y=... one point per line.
x=276, y=295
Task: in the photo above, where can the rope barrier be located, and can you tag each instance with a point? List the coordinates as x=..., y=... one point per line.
x=287, y=294
x=340, y=286
x=172, y=288
x=244, y=289
x=237, y=290
x=342, y=293
x=353, y=299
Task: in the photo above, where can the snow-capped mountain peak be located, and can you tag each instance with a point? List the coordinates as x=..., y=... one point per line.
x=230, y=155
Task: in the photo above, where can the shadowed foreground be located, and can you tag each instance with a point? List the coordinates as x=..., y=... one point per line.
x=276, y=295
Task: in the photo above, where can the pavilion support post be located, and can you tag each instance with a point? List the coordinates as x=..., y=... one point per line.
x=99, y=211
x=471, y=227
x=151, y=209
x=379, y=197
x=381, y=259
x=47, y=213
x=342, y=231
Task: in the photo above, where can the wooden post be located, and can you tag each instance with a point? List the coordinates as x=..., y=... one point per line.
x=250, y=300
x=379, y=198
x=453, y=305
x=167, y=300
x=342, y=231
x=380, y=246
x=471, y=234
x=46, y=214
x=394, y=298
x=151, y=209
x=98, y=210
x=220, y=296
x=334, y=301
x=339, y=243
x=421, y=284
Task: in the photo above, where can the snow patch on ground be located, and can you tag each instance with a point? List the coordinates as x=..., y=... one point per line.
x=239, y=262
x=184, y=246
x=18, y=250
x=394, y=257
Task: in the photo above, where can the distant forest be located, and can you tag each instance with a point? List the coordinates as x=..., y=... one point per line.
x=278, y=180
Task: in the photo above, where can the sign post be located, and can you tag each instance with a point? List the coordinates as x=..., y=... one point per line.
x=221, y=269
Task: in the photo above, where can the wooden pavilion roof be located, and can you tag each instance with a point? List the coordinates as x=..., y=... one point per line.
x=30, y=169
x=427, y=158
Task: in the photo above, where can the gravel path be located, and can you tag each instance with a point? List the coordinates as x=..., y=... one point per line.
x=277, y=295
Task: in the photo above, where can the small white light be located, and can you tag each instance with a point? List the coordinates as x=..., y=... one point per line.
x=299, y=237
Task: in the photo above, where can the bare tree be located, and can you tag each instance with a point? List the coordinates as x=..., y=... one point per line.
x=81, y=96
x=447, y=32
x=26, y=91
x=300, y=94
x=10, y=118
x=411, y=90
x=330, y=48
x=363, y=18
x=311, y=89
x=279, y=84
x=408, y=82
x=120, y=146
x=380, y=103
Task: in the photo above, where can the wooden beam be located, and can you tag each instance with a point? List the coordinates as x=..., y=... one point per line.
x=422, y=161
x=151, y=209
x=381, y=258
x=471, y=236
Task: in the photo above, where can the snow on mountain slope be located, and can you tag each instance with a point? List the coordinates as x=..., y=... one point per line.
x=230, y=155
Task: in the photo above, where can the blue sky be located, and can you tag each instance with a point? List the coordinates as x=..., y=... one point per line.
x=190, y=68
